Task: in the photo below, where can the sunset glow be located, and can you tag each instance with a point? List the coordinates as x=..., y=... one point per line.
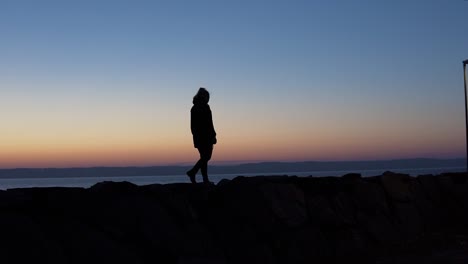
x=111, y=85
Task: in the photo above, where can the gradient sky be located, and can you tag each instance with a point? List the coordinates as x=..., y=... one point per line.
x=89, y=83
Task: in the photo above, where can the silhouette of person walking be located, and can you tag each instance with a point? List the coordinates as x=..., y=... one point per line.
x=204, y=135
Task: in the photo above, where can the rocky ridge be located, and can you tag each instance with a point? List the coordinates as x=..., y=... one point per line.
x=392, y=218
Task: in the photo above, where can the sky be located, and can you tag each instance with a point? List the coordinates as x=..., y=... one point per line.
x=110, y=83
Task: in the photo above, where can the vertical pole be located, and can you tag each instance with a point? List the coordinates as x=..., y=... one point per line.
x=466, y=112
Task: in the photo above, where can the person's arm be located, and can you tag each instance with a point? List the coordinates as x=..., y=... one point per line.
x=194, y=122
x=211, y=128
x=191, y=120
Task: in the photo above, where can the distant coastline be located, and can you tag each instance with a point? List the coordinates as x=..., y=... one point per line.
x=261, y=167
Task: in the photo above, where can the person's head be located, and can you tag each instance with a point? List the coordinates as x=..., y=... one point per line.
x=202, y=96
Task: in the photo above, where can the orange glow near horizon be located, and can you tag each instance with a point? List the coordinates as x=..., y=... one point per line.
x=280, y=144
x=153, y=130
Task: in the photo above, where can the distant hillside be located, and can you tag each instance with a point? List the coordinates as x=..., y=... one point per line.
x=262, y=167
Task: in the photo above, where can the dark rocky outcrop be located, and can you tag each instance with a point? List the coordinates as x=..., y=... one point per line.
x=391, y=218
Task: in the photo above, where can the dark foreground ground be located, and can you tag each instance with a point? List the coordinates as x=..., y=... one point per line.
x=391, y=218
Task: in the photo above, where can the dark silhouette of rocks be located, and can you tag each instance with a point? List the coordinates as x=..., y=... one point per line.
x=392, y=218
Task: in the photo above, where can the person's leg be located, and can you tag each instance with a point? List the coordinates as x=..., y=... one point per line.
x=205, y=156
x=196, y=167
x=202, y=163
x=193, y=172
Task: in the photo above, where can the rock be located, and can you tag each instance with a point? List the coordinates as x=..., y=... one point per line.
x=455, y=195
x=409, y=220
x=308, y=245
x=352, y=176
x=397, y=186
x=245, y=220
x=23, y=240
x=321, y=212
x=430, y=214
x=369, y=197
x=109, y=187
x=454, y=188
x=431, y=189
x=223, y=182
x=379, y=227
x=351, y=246
x=286, y=201
x=457, y=177
x=344, y=208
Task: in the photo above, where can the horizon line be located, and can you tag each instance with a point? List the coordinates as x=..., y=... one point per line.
x=230, y=163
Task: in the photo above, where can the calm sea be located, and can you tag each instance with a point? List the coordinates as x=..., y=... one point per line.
x=144, y=180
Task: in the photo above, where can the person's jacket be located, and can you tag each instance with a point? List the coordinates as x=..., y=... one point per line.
x=201, y=124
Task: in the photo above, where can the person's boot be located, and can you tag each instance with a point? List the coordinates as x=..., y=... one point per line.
x=191, y=175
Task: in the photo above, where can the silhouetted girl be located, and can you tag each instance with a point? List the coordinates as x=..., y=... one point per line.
x=204, y=135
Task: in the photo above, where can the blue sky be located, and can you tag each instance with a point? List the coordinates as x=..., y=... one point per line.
x=297, y=79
